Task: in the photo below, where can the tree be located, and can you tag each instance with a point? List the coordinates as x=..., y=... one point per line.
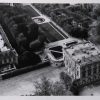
x=70, y=86
x=43, y=88
x=28, y=58
x=67, y=81
x=95, y=33
x=96, y=10
x=33, y=32
x=98, y=28
x=78, y=32
x=38, y=43
x=74, y=88
x=47, y=87
x=58, y=89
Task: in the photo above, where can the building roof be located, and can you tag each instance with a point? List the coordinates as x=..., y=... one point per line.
x=55, y=49
x=2, y=46
x=62, y=42
x=83, y=53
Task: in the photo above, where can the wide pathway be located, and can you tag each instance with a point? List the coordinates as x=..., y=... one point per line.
x=24, y=84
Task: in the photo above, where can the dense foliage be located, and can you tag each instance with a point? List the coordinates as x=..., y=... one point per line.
x=74, y=19
x=47, y=87
x=23, y=33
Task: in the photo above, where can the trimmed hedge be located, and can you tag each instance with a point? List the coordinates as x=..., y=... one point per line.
x=25, y=70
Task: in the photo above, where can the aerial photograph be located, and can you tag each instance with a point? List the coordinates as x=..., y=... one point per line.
x=49, y=49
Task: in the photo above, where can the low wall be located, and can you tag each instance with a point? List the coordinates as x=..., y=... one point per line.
x=25, y=70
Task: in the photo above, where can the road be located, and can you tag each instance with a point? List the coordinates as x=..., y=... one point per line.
x=24, y=84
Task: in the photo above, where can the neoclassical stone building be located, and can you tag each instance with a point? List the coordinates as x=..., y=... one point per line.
x=82, y=62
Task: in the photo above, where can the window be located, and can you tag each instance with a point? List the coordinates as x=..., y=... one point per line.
x=94, y=70
x=3, y=61
x=89, y=71
x=83, y=74
x=77, y=73
x=11, y=59
x=7, y=60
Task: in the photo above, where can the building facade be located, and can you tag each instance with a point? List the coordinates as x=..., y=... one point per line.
x=82, y=62
x=8, y=56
